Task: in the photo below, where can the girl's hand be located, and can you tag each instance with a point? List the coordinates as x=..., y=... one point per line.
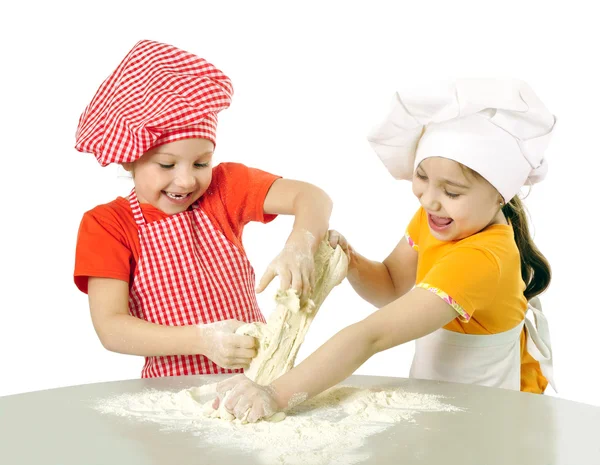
x=294, y=265
x=335, y=239
x=245, y=399
x=225, y=348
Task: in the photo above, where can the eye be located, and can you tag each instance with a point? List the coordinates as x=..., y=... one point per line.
x=166, y=167
x=201, y=165
x=451, y=195
x=421, y=176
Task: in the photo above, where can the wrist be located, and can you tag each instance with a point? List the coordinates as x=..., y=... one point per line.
x=356, y=267
x=353, y=259
x=281, y=401
x=198, y=339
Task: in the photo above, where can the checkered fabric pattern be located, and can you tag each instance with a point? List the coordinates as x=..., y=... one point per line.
x=189, y=273
x=158, y=94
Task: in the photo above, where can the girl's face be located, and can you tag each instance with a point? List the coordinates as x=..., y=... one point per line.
x=172, y=176
x=458, y=203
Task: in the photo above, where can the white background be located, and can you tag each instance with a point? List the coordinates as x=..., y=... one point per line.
x=310, y=81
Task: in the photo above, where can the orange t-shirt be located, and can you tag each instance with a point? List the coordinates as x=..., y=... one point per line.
x=108, y=245
x=481, y=274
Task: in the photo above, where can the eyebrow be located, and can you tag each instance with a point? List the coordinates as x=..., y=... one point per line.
x=449, y=182
x=455, y=184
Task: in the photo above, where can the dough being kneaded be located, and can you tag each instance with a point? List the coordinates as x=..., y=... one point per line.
x=280, y=339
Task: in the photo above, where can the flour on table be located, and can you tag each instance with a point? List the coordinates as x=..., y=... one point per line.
x=331, y=428
x=328, y=429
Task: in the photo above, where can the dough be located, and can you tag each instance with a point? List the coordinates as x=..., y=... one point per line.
x=280, y=339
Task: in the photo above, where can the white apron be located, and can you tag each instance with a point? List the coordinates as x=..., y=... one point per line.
x=487, y=360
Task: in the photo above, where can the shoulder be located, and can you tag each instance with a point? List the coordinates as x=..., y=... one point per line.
x=116, y=208
x=496, y=243
x=114, y=211
x=477, y=257
x=227, y=174
x=232, y=178
x=229, y=170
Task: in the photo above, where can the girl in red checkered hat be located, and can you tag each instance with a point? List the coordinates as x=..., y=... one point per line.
x=165, y=269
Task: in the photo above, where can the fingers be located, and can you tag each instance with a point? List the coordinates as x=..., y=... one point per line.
x=256, y=413
x=228, y=384
x=285, y=279
x=312, y=279
x=234, y=363
x=244, y=399
x=234, y=351
x=301, y=281
x=297, y=282
x=241, y=407
x=333, y=238
x=265, y=280
x=237, y=364
x=306, y=287
x=234, y=343
x=240, y=356
x=306, y=278
x=231, y=400
x=236, y=400
x=244, y=354
x=244, y=342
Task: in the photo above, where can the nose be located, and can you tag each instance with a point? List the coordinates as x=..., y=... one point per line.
x=185, y=179
x=429, y=200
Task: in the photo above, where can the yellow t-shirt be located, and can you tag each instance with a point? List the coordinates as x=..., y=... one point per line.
x=480, y=276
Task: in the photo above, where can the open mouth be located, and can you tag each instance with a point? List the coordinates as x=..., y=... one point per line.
x=439, y=223
x=177, y=198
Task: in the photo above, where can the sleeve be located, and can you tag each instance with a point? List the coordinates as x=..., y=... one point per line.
x=101, y=251
x=467, y=278
x=412, y=231
x=243, y=191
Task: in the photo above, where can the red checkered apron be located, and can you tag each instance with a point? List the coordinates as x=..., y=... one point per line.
x=188, y=273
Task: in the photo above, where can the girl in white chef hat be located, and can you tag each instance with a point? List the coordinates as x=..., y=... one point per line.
x=465, y=274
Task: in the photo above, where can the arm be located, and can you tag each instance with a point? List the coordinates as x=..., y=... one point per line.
x=412, y=316
x=123, y=333
x=380, y=283
x=311, y=208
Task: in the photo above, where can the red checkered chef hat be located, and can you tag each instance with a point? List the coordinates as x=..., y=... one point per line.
x=158, y=94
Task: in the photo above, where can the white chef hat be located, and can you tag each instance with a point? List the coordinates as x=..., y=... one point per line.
x=497, y=127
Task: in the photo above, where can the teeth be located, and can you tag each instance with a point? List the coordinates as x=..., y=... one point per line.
x=176, y=196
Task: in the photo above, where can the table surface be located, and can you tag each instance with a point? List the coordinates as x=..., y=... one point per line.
x=495, y=426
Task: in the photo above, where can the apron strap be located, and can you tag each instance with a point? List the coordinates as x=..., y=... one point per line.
x=136, y=209
x=539, y=335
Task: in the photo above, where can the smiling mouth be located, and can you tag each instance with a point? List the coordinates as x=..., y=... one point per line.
x=440, y=220
x=177, y=196
x=439, y=223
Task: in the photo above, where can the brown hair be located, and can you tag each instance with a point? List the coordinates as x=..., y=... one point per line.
x=535, y=269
